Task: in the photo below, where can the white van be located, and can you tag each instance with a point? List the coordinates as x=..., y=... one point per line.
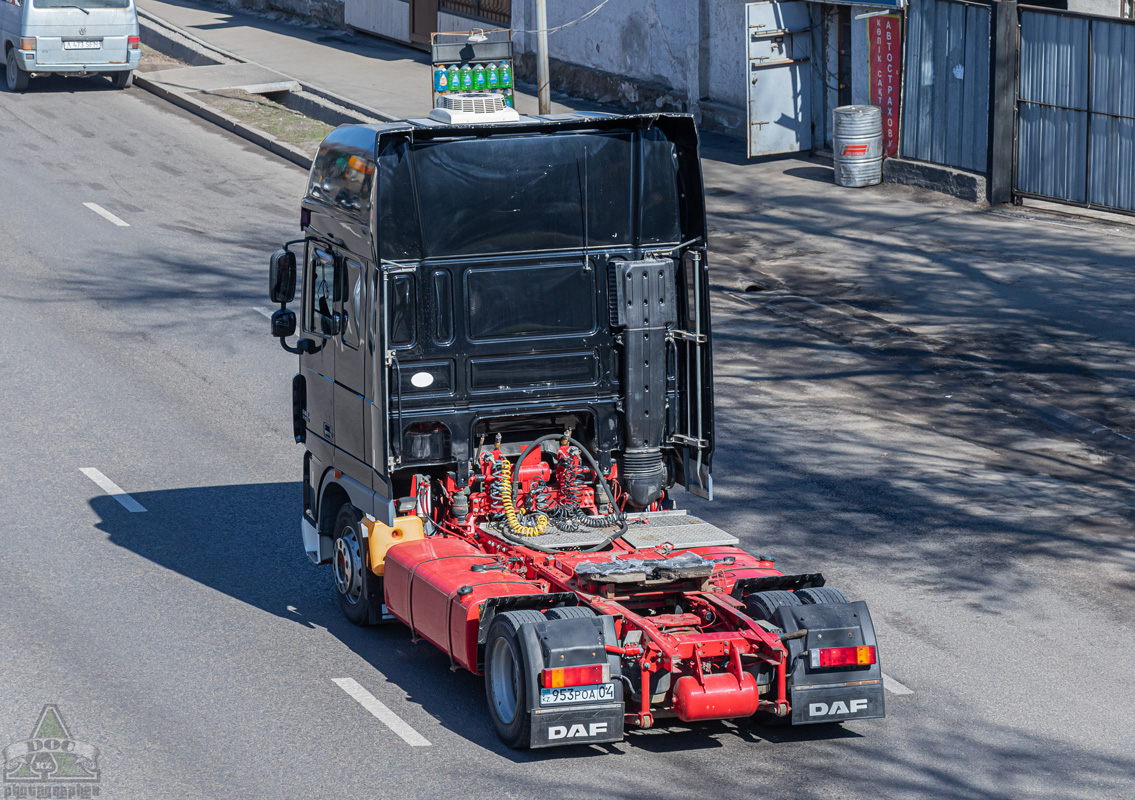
x=69, y=37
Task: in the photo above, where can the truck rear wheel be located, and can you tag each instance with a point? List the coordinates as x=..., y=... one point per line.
x=506, y=665
x=569, y=612
x=822, y=594
x=763, y=605
x=123, y=79
x=358, y=589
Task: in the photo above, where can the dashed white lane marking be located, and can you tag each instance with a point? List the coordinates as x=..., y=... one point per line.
x=265, y=311
x=102, y=212
x=894, y=687
x=381, y=712
x=113, y=489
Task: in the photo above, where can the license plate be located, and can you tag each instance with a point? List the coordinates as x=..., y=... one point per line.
x=85, y=44
x=577, y=694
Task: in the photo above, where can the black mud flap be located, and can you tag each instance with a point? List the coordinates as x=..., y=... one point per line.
x=824, y=704
x=832, y=694
x=570, y=643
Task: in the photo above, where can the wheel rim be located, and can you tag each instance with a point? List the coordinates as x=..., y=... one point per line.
x=348, y=565
x=504, y=679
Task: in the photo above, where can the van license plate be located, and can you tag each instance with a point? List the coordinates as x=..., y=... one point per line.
x=577, y=694
x=82, y=44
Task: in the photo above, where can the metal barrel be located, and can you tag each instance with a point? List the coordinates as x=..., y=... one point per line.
x=858, y=145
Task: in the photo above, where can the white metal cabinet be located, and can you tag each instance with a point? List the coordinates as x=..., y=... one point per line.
x=779, y=36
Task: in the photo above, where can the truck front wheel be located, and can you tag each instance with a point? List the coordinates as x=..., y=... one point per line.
x=359, y=591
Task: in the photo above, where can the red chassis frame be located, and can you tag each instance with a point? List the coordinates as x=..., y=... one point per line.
x=694, y=628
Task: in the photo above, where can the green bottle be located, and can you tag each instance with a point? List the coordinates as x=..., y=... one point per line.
x=454, y=78
x=466, y=78
x=479, y=78
x=508, y=97
x=492, y=77
x=505, y=75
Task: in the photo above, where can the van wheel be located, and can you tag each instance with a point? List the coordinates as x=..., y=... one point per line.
x=358, y=589
x=122, y=80
x=17, y=78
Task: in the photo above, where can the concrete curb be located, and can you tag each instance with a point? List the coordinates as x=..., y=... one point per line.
x=254, y=135
x=176, y=43
x=210, y=54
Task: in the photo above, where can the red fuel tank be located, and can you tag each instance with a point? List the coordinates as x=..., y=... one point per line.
x=721, y=697
x=431, y=585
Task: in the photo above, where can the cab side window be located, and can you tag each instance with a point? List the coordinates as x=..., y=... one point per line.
x=355, y=303
x=323, y=292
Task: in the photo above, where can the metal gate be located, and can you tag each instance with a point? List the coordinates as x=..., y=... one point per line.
x=1076, y=110
x=946, y=102
x=780, y=77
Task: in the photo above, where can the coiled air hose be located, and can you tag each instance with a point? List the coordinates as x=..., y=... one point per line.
x=514, y=523
x=513, y=484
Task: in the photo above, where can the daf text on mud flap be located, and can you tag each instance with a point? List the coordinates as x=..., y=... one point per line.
x=838, y=707
x=577, y=731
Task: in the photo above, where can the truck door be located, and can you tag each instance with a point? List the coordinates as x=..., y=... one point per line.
x=350, y=368
x=321, y=291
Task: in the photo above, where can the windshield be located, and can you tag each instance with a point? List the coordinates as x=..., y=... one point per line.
x=81, y=3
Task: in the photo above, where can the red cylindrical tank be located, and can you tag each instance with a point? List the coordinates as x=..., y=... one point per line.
x=721, y=697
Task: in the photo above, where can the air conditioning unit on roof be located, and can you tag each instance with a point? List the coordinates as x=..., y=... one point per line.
x=472, y=108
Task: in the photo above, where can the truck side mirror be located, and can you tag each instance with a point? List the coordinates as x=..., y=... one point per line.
x=283, y=323
x=282, y=276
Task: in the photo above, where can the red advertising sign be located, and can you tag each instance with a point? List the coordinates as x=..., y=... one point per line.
x=885, y=36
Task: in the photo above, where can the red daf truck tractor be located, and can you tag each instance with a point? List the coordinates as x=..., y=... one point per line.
x=505, y=367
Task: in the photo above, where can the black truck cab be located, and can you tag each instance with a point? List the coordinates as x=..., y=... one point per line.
x=498, y=281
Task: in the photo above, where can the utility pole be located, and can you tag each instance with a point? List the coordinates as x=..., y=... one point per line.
x=543, y=90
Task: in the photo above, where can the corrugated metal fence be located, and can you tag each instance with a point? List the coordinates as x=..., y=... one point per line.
x=1076, y=109
x=946, y=106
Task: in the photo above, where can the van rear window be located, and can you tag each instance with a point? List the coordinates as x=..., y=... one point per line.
x=80, y=3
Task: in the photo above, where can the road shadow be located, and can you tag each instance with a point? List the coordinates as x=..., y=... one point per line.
x=243, y=540
x=63, y=84
x=814, y=172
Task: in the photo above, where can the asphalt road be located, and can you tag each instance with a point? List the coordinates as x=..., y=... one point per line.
x=196, y=647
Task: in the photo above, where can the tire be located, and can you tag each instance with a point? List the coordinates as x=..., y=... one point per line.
x=506, y=664
x=822, y=594
x=763, y=605
x=569, y=612
x=357, y=588
x=17, y=79
x=122, y=80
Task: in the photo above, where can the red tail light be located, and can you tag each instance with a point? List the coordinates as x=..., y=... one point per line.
x=842, y=657
x=134, y=42
x=559, y=677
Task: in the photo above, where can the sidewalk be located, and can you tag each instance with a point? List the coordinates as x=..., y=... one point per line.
x=1026, y=305
x=369, y=70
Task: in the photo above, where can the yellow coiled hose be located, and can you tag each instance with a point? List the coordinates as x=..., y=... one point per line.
x=514, y=523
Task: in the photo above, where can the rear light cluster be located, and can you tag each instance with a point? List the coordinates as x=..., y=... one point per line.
x=134, y=42
x=27, y=43
x=559, y=677
x=842, y=657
